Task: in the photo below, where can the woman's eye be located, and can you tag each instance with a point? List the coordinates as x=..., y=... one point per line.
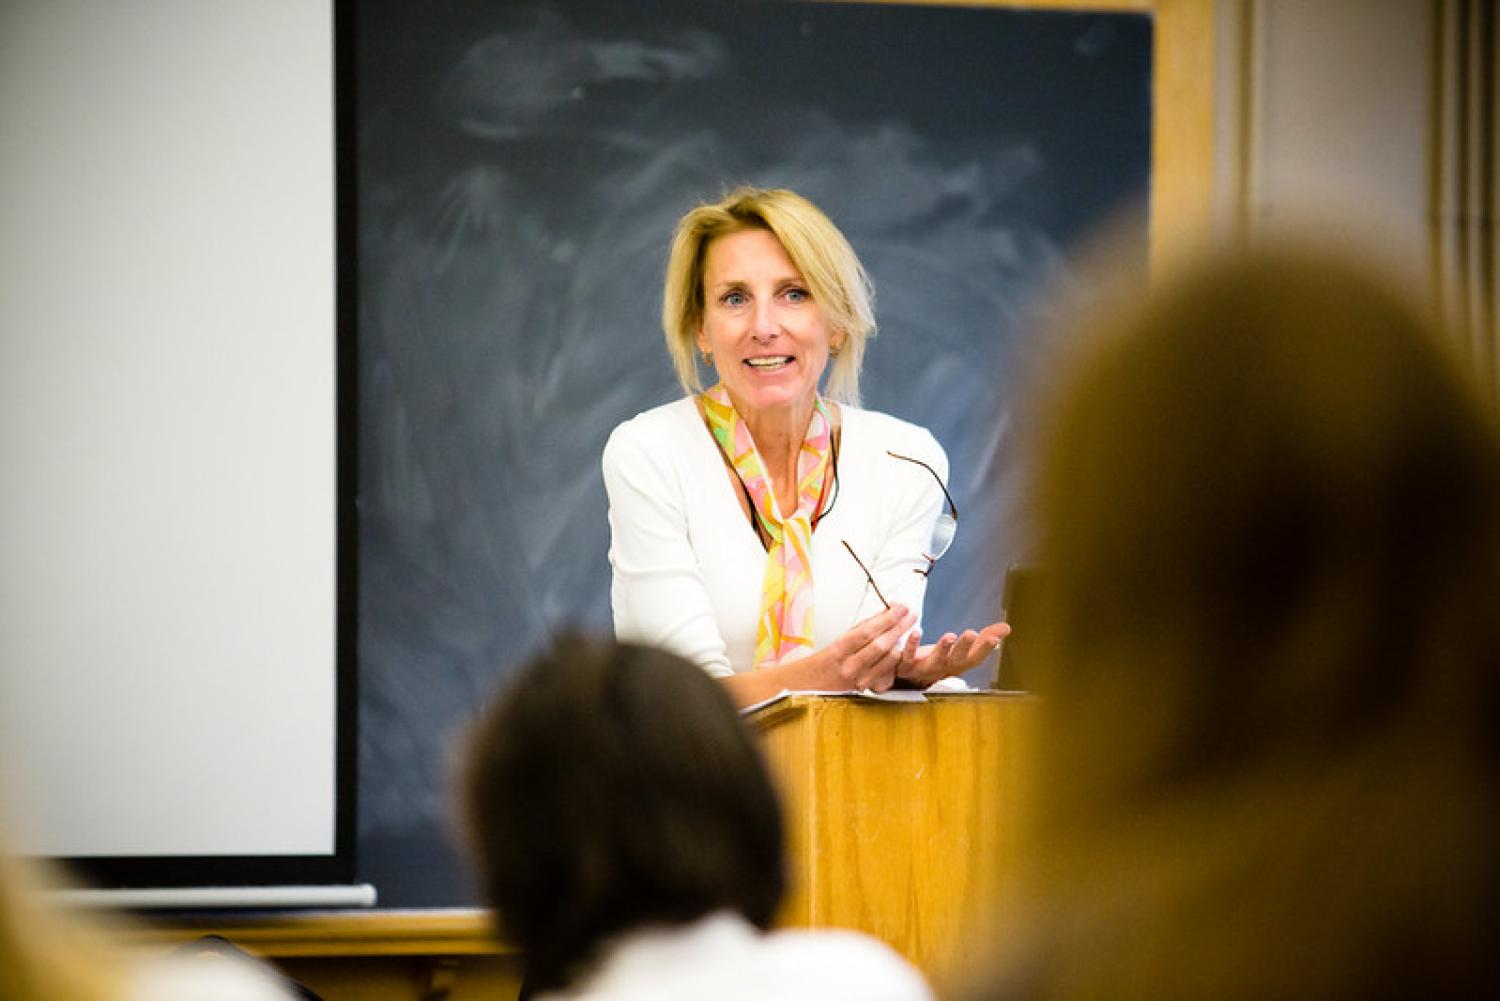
x=795, y=294
x=733, y=299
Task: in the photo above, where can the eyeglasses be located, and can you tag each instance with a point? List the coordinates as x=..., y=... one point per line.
x=943, y=531
x=946, y=526
x=868, y=576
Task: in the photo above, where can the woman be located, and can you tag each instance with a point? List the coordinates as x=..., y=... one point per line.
x=744, y=518
x=629, y=839
x=1266, y=761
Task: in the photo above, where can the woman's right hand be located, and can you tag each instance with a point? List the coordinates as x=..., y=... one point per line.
x=869, y=654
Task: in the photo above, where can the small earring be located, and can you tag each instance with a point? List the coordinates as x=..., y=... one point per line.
x=708, y=359
x=833, y=351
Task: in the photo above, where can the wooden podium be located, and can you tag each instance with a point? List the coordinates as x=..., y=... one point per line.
x=897, y=813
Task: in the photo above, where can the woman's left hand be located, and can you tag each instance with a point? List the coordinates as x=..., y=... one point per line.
x=953, y=654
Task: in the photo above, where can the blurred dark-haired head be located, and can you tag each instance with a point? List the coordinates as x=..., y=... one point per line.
x=1269, y=509
x=612, y=787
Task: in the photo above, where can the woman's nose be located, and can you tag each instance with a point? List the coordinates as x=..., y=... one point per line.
x=763, y=321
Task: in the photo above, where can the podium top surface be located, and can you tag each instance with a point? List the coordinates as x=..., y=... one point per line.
x=789, y=705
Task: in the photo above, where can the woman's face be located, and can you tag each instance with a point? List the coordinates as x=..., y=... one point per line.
x=768, y=337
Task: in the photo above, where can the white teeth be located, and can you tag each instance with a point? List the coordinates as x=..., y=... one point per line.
x=769, y=362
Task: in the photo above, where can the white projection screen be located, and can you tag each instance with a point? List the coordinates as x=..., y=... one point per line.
x=170, y=521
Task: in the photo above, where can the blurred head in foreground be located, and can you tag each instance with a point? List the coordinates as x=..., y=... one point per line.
x=50, y=951
x=1266, y=753
x=614, y=787
x=45, y=953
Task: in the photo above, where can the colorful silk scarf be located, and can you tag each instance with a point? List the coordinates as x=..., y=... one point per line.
x=785, y=630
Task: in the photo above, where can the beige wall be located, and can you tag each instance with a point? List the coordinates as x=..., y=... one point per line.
x=1376, y=121
x=1324, y=114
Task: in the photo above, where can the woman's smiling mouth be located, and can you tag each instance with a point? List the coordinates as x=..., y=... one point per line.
x=769, y=363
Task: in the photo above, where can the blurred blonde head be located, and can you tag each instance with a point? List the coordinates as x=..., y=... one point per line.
x=1266, y=756
x=814, y=244
x=46, y=953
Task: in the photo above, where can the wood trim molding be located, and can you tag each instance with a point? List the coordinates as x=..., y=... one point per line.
x=1182, y=168
x=1464, y=185
x=457, y=932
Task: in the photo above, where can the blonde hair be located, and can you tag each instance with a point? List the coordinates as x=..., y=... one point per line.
x=46, y=952
x=829, y=265
x=1265, y=758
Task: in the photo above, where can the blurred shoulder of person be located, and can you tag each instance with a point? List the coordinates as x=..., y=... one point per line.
x=723, y=956
x=212, y=971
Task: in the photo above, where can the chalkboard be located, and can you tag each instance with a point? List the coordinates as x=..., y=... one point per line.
x=518, y=168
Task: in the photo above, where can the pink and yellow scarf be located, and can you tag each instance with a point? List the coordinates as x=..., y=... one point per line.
x=785, y=630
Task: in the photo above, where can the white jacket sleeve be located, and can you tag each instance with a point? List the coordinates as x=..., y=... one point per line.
x=657, y=593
